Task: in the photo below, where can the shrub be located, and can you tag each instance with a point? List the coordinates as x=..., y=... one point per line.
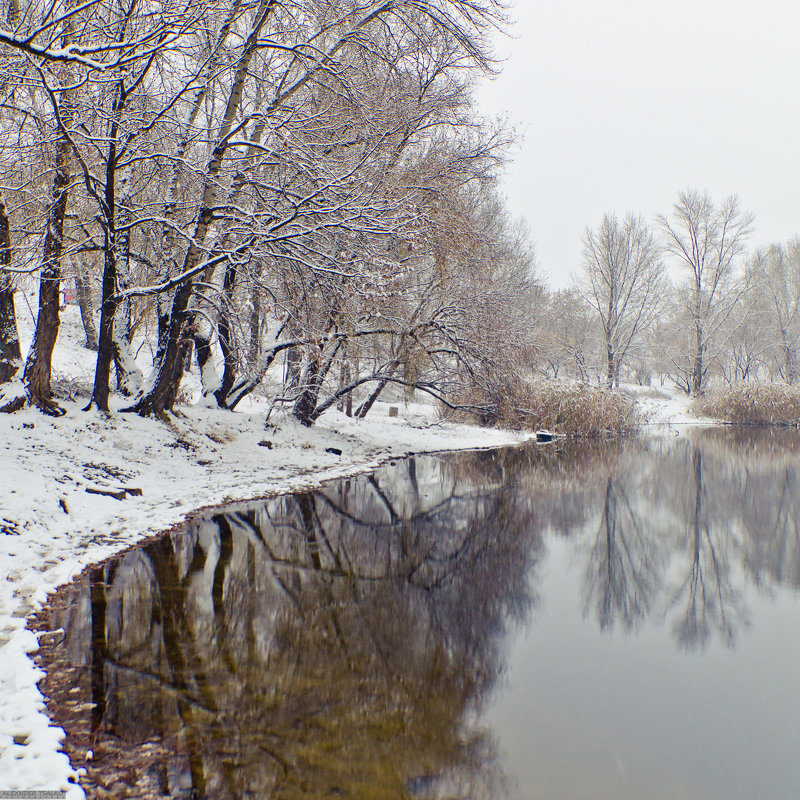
x=753, y=404
x=572, y=409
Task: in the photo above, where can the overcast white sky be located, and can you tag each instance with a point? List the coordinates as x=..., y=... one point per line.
x=620, y=104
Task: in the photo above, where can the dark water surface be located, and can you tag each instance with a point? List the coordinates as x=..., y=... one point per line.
x=597, y=623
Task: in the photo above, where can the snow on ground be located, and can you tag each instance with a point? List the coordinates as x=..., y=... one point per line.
x=665, y=409
x=51, y=527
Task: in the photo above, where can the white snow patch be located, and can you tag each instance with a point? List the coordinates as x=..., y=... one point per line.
x=665, y=409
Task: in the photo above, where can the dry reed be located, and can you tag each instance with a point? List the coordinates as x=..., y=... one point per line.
x=753, y=404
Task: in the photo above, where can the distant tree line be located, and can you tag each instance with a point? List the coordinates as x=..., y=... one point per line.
x=722, y=313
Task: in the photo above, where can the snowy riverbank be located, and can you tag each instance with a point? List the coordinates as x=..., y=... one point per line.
x=52, y=524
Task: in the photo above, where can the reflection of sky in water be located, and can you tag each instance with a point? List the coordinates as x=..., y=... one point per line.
x=621, y=621
x=616, y=714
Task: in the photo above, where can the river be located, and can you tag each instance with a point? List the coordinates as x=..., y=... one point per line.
x=601, y=621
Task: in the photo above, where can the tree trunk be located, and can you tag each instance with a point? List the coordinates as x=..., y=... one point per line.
x=697, y=366
x=307, y=408
x=245, y=385
x=187, y=365
x=169, y=371
x=364, y=408
x=87, y=312
x=209, y=379
x=294, y=358
x=129, y=376
x=10, y=353
x=344, y=380
x=108, y=308
x=105, y=351
x=225, y=337
x=791, y=364
x=114, y=344
x=255, y=328
x=38, y=364
x=306, y=402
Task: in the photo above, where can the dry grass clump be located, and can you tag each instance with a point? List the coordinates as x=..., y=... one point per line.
x=753, y=404
x=575, y=410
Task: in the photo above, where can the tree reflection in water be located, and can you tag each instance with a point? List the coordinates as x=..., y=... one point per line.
x=343, y=643
x=331, y=644
x=685, y=527
x=624, y=567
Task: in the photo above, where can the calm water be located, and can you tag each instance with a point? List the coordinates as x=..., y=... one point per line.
x=600, y=622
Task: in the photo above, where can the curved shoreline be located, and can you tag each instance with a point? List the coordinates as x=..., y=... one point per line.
x=53, y=529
